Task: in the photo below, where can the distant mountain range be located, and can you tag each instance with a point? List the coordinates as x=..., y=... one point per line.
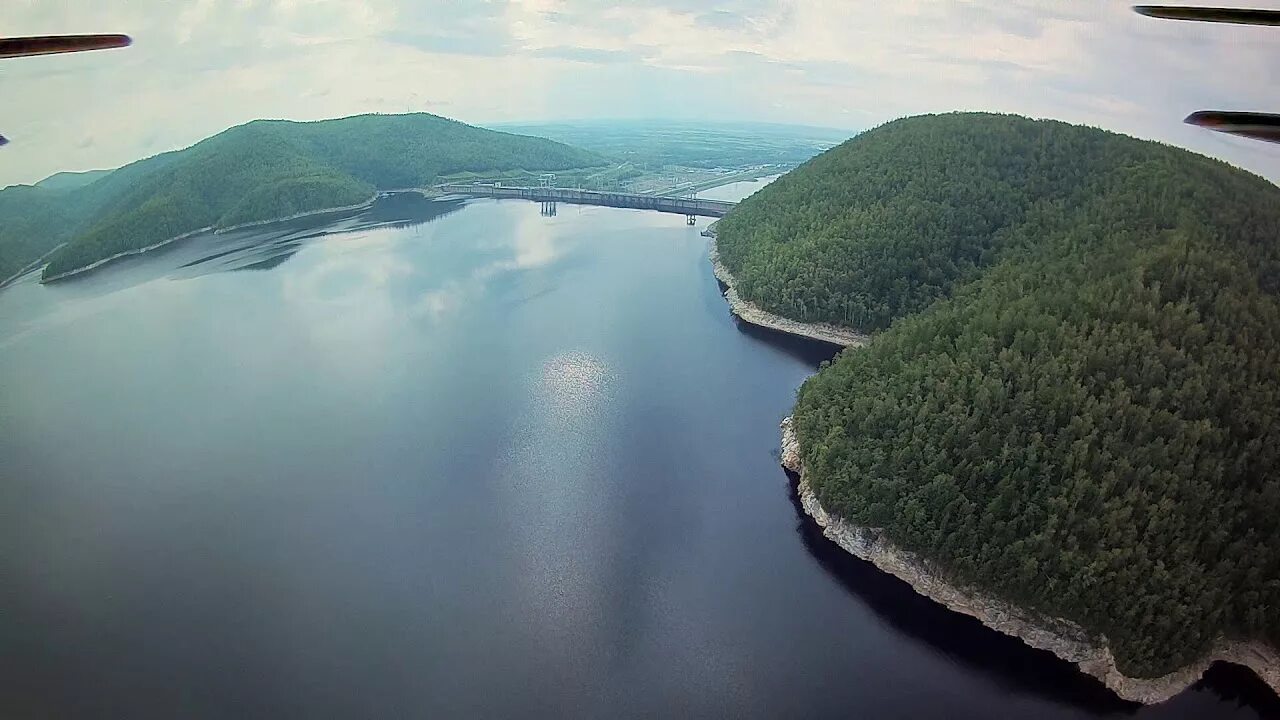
x=655, y=143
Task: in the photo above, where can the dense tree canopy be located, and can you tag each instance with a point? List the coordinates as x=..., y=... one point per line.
x=36, y=219
x=1078, y=405
x=258, y=171
x=34, y=222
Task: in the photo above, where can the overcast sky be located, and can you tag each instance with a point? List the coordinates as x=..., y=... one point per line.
x=199, y=67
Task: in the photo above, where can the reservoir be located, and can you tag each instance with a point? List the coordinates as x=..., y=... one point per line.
x=449, y=459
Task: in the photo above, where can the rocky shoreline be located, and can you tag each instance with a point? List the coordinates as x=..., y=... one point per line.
x=126, y=253
x=754, y=314
x=1060, y=637
x=31, y=265
x=1063, y=638
x=197, y=231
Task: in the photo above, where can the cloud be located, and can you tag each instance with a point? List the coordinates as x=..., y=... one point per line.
x=198, y=67
x=589, y=55
x=483, y=46
x=723, y=20
x=437, y=304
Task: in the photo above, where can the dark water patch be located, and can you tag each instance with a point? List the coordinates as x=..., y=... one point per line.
x=1008, y=660
x=1238, y=684
x=310, y=236
x=809, y=350
x=960, y=637
x=401, y=210
x=195, y=256
x=214, y=256
x=268, y=264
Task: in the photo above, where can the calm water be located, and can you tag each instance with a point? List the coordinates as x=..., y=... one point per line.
x=446, y=460
x=736, y=191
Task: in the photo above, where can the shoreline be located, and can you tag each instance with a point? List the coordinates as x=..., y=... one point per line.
x=749, y=312
x=295, y=216
x=208, y=228
x=136, y=251
x=1065, y=639
x=38, y=262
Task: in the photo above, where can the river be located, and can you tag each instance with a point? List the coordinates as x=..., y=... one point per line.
x=448, y=460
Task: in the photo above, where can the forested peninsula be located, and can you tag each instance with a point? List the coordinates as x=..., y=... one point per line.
x=1072, y=399
x=262, y=170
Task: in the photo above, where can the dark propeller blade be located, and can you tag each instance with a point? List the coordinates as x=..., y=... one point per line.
x=51, y=44
x=1241, y=16
x=1259, y=126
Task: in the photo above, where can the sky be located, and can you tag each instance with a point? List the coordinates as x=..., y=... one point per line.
x=198, y=67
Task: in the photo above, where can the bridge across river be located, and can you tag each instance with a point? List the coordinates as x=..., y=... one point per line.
x=680, y=206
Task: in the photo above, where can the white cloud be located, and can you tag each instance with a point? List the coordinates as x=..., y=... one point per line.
x=201, y=66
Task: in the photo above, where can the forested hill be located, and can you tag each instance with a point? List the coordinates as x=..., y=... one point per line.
x=72, y=180
x=258, y=171
x=1077, y=405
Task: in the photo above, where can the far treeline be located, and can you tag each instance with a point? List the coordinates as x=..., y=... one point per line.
x=262, y=170
x=655, y=144
x=1076, y=402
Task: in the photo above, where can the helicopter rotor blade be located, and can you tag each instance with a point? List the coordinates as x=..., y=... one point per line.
x=1239, y=16
x=1258, y=126
x=52, y=44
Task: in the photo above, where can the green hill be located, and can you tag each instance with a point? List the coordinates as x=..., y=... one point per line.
x=1076, y=404
x=258, y=171
x=34, y=219
x=32, y=222
x=72, y=180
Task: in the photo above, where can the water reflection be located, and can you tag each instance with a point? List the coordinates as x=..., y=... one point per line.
x=553, y=474
x=261, y=247
x=402, y=210
x=268, y=246
x=272, y=262
x=954, y=635
x=734, y=192
x=1233, y=683
x=1015, y=665
x=494, y=465
x=807, y=350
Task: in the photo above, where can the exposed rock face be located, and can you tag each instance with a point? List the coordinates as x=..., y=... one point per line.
x=1060, y=637
x=754, y=314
